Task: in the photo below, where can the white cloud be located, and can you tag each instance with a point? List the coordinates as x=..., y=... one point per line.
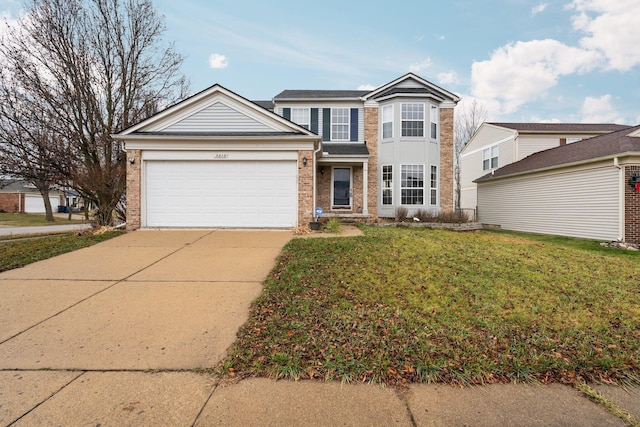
x=217, y=61
x=611, y=28
x=523, y=71
x=599, y=110
x=420, y=66
x=539, y=8
x=449, y=78
x=366, y=87
x=440, y=37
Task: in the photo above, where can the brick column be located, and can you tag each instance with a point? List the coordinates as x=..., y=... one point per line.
x=631, y=207
x=305, y=187
x=446, y=159
x=371, y=138
x=134, y=198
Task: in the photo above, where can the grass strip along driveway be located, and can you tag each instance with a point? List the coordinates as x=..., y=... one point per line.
x=415, y=305
x=18, y=253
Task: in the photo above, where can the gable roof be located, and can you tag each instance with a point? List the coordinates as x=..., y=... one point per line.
x=317, y=95
x=204, y=107
x=433, y=89
x=562, y=127
x=615, y=143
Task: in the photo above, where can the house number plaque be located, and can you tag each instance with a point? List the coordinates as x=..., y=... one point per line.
x=222, y=156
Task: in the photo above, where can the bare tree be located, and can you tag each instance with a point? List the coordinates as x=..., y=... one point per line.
x=91, y=68
x=467, y=121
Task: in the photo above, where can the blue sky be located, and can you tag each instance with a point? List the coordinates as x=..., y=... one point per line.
x=566, y=61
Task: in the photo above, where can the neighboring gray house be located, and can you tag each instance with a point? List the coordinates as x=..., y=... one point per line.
x=586, y=189
x=495, y=145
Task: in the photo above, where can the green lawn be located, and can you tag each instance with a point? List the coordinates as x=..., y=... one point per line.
x=416, y=305
x=22, y=220
x=18, y=253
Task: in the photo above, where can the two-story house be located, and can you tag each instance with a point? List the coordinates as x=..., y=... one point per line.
x=495, y=145
x=217, y=159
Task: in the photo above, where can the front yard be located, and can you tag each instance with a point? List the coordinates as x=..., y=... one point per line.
x=416, y=305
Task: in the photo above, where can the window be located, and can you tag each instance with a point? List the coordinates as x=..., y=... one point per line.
x=301, y=116
x=434, y=122
x=434, y=185
x=387, y=185
x=412, y=184
x=340, y=124
x=412, y=119
x=490, y=158
x=387, y=121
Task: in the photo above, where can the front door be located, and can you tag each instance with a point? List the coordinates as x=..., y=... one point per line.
x=342, y=188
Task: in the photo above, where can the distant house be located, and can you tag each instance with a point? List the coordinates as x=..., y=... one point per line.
x=217, y=159
x=586, y=189
x=495, y=145
x=22, y=197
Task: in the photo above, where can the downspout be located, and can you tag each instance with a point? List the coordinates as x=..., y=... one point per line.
x=315, y=171
x=621, y=189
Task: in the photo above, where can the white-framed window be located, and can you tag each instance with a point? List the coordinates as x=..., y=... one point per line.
x=387, y=121
x=490, y=158
x=434, y=185
x=301, y=116
x=387, y=184
x=434, y=122
x=340, y=124
x=413, y=120
x=412, y=184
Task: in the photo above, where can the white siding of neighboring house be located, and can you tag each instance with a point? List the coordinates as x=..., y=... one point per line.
x=217, y=117
x=529, y=144
x=580, y=202
x=471, y=160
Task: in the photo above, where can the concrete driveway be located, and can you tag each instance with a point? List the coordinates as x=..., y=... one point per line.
x=145, y=300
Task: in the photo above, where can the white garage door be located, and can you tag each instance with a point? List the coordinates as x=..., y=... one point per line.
x=221, y=194
x=33, y=203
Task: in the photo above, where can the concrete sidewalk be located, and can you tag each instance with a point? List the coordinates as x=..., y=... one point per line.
x=115, y=334
x=42, y=229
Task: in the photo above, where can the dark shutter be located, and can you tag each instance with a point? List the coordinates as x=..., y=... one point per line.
x=354, y=124
x=314, y=120
x=286, y=113
x=326, y=124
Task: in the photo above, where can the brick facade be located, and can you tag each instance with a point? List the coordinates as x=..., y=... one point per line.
x=371, y=139
x=305, y=187
x=446, y=159
x=631, y=207
x=134, y=176
x=12, y=202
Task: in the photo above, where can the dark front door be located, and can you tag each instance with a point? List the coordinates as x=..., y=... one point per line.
x=342, y=187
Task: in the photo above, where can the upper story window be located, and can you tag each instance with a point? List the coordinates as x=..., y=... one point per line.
x=301, y=116
x=387, y=121
x=413, y=120
x=340, y=124
x=490, y=158
x=434, y=122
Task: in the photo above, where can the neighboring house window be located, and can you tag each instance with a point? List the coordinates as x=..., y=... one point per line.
x=387, y=121
x=490, y=158
x=412, y=184
x=434, y=185
x=434, y=122
x=301, y=116
x=412, y=119
x=387, y=185
x=340, y=124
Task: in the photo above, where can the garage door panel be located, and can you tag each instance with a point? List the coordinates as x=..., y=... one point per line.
x=221, y=194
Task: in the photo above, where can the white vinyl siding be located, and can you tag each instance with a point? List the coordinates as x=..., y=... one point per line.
x=579, y=203
x=217, y=117
x=528, y=145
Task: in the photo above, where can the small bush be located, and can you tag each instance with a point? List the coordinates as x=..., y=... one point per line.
x=333, y=226
x=401, y=213
x=425, y=216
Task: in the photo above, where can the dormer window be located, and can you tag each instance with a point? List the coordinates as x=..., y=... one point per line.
x=413, y=120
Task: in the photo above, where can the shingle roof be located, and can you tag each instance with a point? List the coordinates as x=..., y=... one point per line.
x=267, y=105
x=320, y=94
x=345, y=149
x=592, y=148
x=562, y=127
